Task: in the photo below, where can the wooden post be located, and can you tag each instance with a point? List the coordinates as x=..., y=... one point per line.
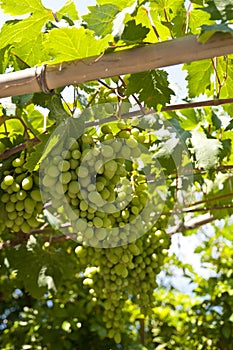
x=144, y=58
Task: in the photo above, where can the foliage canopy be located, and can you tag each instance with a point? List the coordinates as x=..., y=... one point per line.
x=58, y=288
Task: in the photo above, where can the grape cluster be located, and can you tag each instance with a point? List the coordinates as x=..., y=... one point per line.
x=20, y=197
x=94, y=182
x=115, y=274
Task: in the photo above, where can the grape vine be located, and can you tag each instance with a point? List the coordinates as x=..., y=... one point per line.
x=97, y=178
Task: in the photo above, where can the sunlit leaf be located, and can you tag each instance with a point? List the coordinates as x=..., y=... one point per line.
x=67, y=44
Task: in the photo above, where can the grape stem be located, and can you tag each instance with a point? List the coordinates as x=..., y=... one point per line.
x=19, y=148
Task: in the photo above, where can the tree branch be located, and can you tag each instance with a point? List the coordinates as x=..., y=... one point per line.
x=191, y=224
x=25, y=145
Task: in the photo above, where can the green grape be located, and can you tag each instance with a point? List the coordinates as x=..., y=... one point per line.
x=73, y=187
x=105, y=129
x=15, y=187
x=12, y=215
x=98, y=222
x=76, y=154
x=82, y=172
x=25, y=227
x=83, y=205
x=27, y=183
x=52, y=171
x=107, y=151
x=21, y=195
x=122, y=124
x=124, y=134
x=65, y=177
x=96, y=198
x=19, y=206
x=63, y=165
x=10, y=207
x=19, y=220
x=131, y=142
x=5, y=197
x=49, y=181
x=108, y=137
x=29, y=205
x=87, y=139
x=8, y=180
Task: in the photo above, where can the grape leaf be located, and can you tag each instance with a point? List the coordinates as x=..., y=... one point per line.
x=229, y=126
x=27, y=47
x=100, y=18
x=36, y=268
x=189, y=119
x=57, y=111
x=68, y=10
x=121, y=4
x=33, y=158
x=134, y=32
x=219, y=10
x=67, y=44
x=172, y=7
x=206, y=150
x=216, y=121
x=199, y=74
x=152, y=87
x=209, y=30
x=15, y=7
x=197, y=18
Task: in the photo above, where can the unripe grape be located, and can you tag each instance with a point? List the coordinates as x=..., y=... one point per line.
x=27, y=183
x=107, y=151
x=10, y=207
x=8, y=180
x=25, y=227
x=21, y=195
x=17, y=162
x=124, y=134
x=15, y=187
x=36, y=196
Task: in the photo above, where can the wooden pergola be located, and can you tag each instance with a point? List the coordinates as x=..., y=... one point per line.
x=144, y=58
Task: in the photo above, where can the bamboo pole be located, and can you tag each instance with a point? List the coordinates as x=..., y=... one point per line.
x=144, y=58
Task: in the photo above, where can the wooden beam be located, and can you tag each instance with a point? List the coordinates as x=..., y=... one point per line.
x=144, y=58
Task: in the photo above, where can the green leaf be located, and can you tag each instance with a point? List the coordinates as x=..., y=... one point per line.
x=54, y=222
x=27, y=47
x=206, y=150
x=35, y=156
x=198, y=77
x=15, y=7
x=219, y=10
x=229, y=126
x=21, y=100
x=172, y=7
x=4, y=59
x=121, y=4
x=189, y=119
x=197, y=18
x=57, y=111
x=134, y=33
x=67, y=44
x=209, y=30
x=100, y=18
x=152, y=87
x=68, y=10
x=216, y=121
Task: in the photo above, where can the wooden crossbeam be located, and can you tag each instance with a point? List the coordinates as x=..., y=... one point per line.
x=144, y=58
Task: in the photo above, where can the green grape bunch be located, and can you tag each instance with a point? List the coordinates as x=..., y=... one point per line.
x=97, y=184
x=20, y=198
x=104, y=184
